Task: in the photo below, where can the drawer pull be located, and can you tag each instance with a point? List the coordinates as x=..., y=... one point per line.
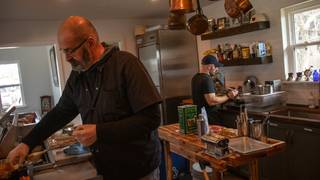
x=274, y=124
x=308, y=129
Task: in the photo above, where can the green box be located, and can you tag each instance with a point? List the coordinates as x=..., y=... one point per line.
x=187, y=118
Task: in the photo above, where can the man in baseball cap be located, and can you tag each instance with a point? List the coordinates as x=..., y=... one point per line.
x=210, y=59
x=204, y=89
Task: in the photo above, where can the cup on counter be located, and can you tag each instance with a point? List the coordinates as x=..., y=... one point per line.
x=268, y=89
x=260, y=89
x=256, y=129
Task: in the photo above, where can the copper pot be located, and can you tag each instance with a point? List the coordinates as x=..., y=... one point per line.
x=232, y=8
x=244, y=5
x=181, y=6
x=198, y=23
x=177, y=21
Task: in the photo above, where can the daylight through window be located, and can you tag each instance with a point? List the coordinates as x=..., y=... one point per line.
x=10, y=85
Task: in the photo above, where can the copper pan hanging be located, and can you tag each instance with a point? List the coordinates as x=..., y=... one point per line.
x=244, y=5
x=181, y=6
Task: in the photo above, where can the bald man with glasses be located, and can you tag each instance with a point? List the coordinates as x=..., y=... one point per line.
x=117, y=101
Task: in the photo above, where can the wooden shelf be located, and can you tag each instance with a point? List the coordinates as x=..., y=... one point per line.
x=236, y=30
x=250, y=61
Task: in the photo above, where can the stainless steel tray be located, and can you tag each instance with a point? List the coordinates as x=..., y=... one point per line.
x=246, y=145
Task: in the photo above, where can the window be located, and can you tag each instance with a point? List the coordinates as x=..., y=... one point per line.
x=301, y=35
x=10, y=85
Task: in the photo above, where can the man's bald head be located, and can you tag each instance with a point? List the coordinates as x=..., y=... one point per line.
x=77, y=28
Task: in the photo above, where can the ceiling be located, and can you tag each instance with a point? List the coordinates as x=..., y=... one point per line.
x=15, y=10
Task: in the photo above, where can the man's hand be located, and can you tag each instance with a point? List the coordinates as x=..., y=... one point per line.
x=232, y=93
x=86, y=134
x=18, y=154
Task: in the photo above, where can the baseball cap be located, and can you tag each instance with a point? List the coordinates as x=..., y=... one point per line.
x=209, y=59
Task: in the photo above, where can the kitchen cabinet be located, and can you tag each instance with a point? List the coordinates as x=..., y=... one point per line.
x=301, y=157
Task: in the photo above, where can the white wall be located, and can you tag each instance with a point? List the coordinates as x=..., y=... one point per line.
x=236, y=75
x=34, y=66
x=24, y=33
x=44, y=32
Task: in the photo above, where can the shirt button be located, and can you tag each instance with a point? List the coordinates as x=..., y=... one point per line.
x=97, y=88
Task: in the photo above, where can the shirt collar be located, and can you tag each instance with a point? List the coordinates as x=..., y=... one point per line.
x=109, y=50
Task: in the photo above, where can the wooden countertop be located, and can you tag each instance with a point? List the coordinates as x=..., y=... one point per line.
x=191, y=147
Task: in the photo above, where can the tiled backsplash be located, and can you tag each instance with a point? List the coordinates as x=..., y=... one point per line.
x=302, y=93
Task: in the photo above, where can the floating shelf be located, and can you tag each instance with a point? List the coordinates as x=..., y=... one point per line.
x=236, y=30
x=250, y=61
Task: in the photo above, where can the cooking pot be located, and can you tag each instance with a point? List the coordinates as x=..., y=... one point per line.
x=181, y=6
x=198, y=23
x=232, y=8
x=244, y=5
x=177, y=21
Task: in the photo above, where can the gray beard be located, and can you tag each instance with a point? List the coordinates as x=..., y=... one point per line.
x=86, y=59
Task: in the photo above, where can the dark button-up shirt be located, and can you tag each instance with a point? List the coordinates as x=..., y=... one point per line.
x=117, y=95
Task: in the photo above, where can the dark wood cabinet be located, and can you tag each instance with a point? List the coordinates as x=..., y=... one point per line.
x=302, y=155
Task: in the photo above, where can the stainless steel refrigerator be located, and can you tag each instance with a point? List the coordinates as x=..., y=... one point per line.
x=171, y=59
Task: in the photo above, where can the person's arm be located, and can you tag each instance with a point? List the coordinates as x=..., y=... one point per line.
x=59, y=116
x=212, y=99
x=50, y=123
x=136, y=127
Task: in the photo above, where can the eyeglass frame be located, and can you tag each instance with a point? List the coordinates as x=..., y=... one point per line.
x=72, y=50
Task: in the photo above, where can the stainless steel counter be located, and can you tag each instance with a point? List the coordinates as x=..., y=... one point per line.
x=81, y=171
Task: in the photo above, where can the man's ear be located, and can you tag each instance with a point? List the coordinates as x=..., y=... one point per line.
x=92, y=41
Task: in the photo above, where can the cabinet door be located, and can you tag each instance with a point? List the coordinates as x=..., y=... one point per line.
x=305, y=154
x=276, y=167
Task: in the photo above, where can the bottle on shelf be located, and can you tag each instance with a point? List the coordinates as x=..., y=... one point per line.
x=228, y=52
x=245, y=51
x=235, y=52
x=269, y=49
x=315, y=76
x=253, y=50
x=261, y=49
x=220, y=53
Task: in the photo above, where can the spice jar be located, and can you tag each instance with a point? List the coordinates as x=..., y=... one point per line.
x=245, y=51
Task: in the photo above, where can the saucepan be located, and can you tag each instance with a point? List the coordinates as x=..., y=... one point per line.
x=198, y=23
x=181, y=6
x=232, y=8
x=244, y=5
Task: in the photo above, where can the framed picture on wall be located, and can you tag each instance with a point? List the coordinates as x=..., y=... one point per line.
x=54, y=67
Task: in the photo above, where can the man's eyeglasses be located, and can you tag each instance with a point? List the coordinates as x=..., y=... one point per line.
x=72, y=50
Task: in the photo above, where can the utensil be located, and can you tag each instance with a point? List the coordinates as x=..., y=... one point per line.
x=232, y=8
x=181, y=6
x=198, y=23
x=256, y=129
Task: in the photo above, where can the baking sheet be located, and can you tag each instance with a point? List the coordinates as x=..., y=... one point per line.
x=246, y=145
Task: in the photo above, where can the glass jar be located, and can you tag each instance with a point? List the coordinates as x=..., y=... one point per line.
x=245, y=51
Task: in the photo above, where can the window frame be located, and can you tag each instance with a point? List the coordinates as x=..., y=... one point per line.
x=288, y=33
x=12, y=85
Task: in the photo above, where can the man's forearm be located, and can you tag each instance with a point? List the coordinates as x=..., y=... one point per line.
x=50, y=123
